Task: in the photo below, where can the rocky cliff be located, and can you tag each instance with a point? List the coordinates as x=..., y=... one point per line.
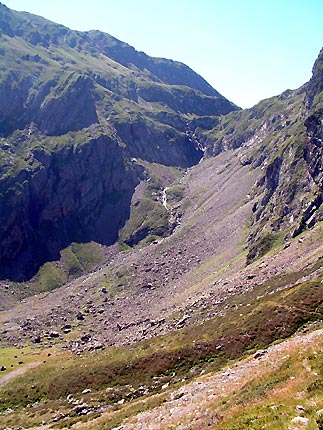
x=63, y=197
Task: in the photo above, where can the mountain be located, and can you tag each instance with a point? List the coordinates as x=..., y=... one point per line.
x=79, y=115
x=161, y=249
x=284, y=137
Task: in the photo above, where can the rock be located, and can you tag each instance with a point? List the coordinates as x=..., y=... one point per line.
x=80, y=316
x=148, y=286
x=165, y=386
x=262, y=265
x=300, y=408
x=86, y=338
x=182, y=321
x=301, y=421
x=260, y=353
x=110, y=390
x=54, y=334
x=37, y=339
x=95, y=346
x=58, y=417
x=82, y=409
x=86, y=391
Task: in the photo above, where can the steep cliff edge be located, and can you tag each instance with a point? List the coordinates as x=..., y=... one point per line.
x=62, y=197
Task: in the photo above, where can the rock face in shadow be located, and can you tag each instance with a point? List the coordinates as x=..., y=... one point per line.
x=165, y=146
x=68, y=197
x=314, y=148
x=72, y=109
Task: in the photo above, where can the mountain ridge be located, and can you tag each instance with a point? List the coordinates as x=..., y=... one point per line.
x=104, y=43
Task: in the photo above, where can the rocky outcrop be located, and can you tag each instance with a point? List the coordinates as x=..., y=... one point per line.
x=158, y=144
x=314, y=148
x=283, y=137
x=186, y=100
x=313, y=153
x=13, y=94
x=59, y=113
x=67, y=197
x=315, y=86
x=51, y=106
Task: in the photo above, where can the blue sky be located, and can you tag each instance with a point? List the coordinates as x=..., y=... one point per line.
x=248, y=50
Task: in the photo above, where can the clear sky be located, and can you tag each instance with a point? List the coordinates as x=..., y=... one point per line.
x=248, y=50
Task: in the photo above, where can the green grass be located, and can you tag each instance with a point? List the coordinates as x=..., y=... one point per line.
x=88, y=254
x=263, y=244
x=80, y=258
x=147, y=218
x=50, y=277
x=10, y=357
x=175, y=193
x=270, y=401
